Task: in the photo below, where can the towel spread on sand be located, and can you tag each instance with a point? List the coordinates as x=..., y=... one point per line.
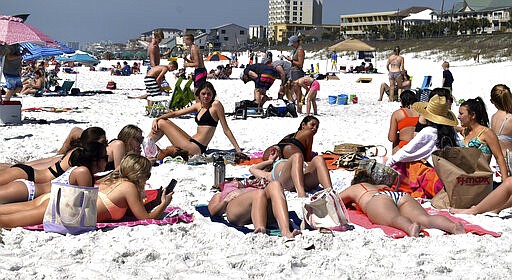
x=173, y=215
x=272, y=230
x=329, y=160
x=360, y=219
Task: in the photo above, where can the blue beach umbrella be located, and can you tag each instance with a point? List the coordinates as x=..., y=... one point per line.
x=37, y=51
x=81, y=57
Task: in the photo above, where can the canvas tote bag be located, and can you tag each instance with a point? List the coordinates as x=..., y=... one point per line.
x=71, y=209
x=324, y=211
x=465, y=174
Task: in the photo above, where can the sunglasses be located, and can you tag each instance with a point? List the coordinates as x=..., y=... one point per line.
x=139, y=139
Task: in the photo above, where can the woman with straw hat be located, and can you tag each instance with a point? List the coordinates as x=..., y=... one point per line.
x=414, y=160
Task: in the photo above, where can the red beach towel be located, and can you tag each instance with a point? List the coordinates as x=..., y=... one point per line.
x=360, y=219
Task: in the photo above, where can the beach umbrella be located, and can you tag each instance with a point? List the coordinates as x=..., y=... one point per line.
x=217, y=57
x=37, y=51
x=81, y=57
x=13, y=30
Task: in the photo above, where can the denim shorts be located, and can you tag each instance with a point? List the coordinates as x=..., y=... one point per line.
x=12, y=82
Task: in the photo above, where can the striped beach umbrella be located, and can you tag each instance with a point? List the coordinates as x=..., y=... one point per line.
x=37, y=52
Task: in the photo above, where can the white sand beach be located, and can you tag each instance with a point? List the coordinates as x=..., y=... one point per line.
x=206, y=250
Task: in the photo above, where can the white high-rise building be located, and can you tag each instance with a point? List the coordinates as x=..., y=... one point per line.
x=294, y=12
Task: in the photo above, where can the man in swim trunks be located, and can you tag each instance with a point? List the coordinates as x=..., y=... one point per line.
x=195, y=60
x=154, y=78
x=12, y=70
x=263, y=75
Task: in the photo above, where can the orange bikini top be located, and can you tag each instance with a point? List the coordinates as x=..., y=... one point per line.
x=407, y=121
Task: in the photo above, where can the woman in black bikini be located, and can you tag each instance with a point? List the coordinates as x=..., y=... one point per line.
x=209, y=113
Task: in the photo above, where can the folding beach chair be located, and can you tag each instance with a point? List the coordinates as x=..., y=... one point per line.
x=66, y=87
x=423, y=92
x=427, y=82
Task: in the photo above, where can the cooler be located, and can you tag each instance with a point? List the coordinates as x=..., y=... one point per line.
x=10, y=112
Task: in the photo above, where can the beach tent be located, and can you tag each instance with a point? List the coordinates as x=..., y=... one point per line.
x=352, y=44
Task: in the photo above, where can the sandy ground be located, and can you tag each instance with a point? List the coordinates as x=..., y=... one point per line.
x=204, y=249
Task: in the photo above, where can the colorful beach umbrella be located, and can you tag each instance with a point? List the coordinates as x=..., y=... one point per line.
x=37, y=51
x=217, y=57
x=13, y=30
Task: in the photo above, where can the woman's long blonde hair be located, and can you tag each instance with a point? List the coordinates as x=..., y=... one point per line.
x=501, y=98
x=127, y=133
x=134, y=168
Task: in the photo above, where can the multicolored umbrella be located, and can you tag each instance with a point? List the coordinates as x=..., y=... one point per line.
x=13, y=30
x=216, y=57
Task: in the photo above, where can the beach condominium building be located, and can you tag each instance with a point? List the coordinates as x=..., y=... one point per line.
x=308, y=12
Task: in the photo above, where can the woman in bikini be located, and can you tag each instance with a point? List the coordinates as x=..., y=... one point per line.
x=394, y=209
x=500, y=123
x=395, y=66
x=209, y=113
x=57, y=165
x=477, y=134
x=244, y=206
x=403, y=121
x=121, y=190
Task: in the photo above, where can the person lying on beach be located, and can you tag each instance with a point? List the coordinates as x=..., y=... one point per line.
x=244, y=206
x=293, y=173
x=57, y=165
x=122, y=190
x=394, y=209
x=209, y=113
x=26, y=190
x=403, y=121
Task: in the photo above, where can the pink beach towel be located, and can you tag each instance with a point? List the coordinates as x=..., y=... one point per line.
x=360, y=219
x=174, y=215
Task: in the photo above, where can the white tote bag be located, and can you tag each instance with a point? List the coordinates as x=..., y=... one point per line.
x=325, y=211
x=71, y=209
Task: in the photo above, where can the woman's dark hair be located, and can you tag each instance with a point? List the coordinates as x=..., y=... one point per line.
x=408, y=97
x=441, y=92
x=306, y=120
x=209, y=86
x=446, y=135
x=362, y=176
x=91, y=134
x=88, y=154
x=477, y=106
x=396, y=50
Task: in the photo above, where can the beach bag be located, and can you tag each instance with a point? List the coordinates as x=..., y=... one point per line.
x=380, y=173
x=324, y=211
x=111, y=85
x=351, y=154
x=465, y=174
x=71, y=209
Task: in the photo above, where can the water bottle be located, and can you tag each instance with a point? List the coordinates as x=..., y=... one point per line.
x=219, y=171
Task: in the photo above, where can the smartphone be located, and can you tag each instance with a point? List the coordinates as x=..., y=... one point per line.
x=171, y=186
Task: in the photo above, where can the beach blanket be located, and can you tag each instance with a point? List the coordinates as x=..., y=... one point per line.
x=329, y=160
x=172, y=216
x=49, y=109
x=272, y=230
x=359, y=218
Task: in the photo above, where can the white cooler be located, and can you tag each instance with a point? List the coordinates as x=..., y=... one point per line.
x=10, y=112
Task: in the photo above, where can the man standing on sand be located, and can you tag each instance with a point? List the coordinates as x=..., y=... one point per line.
x=12, y=70
x=195, y=60
x=154, y=49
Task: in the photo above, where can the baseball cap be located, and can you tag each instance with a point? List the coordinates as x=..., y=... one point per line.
x=293, y=39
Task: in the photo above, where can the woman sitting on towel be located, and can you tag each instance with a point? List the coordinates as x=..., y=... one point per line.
x=244, y=206
x=394, y=209
x=293, y=173
x=209, y=113
x=123, y=189
x=36, y=86
x=57, y=165
x=477, y=134
x=414, y=160
x=403, y=121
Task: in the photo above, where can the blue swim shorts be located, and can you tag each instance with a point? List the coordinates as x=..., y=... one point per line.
x=12, y=82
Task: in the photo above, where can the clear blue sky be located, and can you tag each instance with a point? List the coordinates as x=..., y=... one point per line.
x=120, y=20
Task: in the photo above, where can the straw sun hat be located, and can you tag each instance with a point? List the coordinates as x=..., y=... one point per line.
x=436, y=111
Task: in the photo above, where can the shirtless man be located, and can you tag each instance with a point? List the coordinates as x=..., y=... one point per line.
x=154, y=78
x=395, y=66
x=154, y=49
x=195, y=60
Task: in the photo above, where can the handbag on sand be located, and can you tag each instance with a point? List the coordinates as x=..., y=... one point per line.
x=71, y=209
x=465, y=174
x=380, y=173
x=325, y=211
